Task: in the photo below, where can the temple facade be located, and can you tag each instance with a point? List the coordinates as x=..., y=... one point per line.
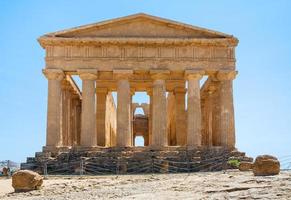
x=139, y=53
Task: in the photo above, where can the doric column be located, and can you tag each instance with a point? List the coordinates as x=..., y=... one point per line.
x=101, y=94
x=226, y=129
x=124, y=135
x=150, y=121
x=78, y=121
x=159, y=116
x=193, y=108
x=75, y=118
x=180, y=118
x=53, y=136
x=208, y=116
x=88, y=121
x=66, y=113
x=132, y=92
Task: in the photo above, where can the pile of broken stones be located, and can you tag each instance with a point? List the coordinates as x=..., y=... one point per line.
x=264, y=165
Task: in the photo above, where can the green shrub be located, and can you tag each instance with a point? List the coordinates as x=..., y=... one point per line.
x=234, y=163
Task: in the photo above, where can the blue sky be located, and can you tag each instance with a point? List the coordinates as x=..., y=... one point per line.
x=262, y=90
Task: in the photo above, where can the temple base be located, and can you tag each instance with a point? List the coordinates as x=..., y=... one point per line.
x=131, y=160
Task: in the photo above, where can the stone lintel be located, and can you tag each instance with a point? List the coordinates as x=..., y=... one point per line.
x=54, y=74
x=87, y=74
x=122, y=73
x=159, y=74
x=194, y=73
x=224, y=75
x=102, y=90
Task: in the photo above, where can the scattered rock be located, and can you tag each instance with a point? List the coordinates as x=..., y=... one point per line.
x=266, y=165
x=245, y=166
x=26, y=180
x=5, y=171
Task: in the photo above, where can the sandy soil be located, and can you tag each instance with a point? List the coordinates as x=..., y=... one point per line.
x=204, y=185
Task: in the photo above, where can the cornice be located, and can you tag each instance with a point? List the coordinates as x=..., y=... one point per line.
x=61, y=41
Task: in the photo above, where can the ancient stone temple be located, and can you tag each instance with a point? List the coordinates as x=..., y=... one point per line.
x=139, y=53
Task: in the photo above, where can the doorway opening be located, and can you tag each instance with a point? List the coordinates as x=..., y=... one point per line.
x=139, y=141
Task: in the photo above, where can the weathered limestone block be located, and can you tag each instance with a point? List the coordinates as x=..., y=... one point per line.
x=245, y=166
x=26, y=180
x=266, y=165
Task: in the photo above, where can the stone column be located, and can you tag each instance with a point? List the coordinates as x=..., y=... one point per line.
x=78, y=121
x=124, y=135
x=66, y=113
x=132, y=92
x=150, y=121
x=101, y=94
x=53, y=136
x=88, y=121
x=159, y=116
x=226, y=129
x=208, y=116
x=180, y=118
x=75, y=104
x=193, y=108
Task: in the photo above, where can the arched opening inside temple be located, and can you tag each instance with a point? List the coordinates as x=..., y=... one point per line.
x=139, y=141
x=139, y=111
x=140, y=121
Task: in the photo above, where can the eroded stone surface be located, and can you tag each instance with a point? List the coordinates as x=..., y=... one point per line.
x=204, y=185
x=245, y=166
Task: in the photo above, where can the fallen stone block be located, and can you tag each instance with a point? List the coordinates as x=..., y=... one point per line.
x=26, y=180
x=266, y=165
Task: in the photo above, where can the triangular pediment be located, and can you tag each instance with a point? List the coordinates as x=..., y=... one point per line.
x=138, y=25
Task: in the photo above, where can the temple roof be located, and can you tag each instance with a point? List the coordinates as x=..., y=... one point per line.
x=134, y=27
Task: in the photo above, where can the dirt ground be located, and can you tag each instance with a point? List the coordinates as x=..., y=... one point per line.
x=202, y=185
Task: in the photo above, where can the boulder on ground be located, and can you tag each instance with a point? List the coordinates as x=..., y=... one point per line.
x=5, y=171
x=266, y=165
x=26, y=180
x=245, y=166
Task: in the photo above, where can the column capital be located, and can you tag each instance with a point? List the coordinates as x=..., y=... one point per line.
x=87, y=74
x=149, y=91
x=225, y=75
x=54, y=74
x=194, y=74
x=101, y=90
x=122, y=73
x=158, y=82
x=132, y=91
x=67, y=86
x=157, y=74
x=211, y=89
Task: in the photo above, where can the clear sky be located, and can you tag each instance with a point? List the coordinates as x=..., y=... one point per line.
x=262, y=90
